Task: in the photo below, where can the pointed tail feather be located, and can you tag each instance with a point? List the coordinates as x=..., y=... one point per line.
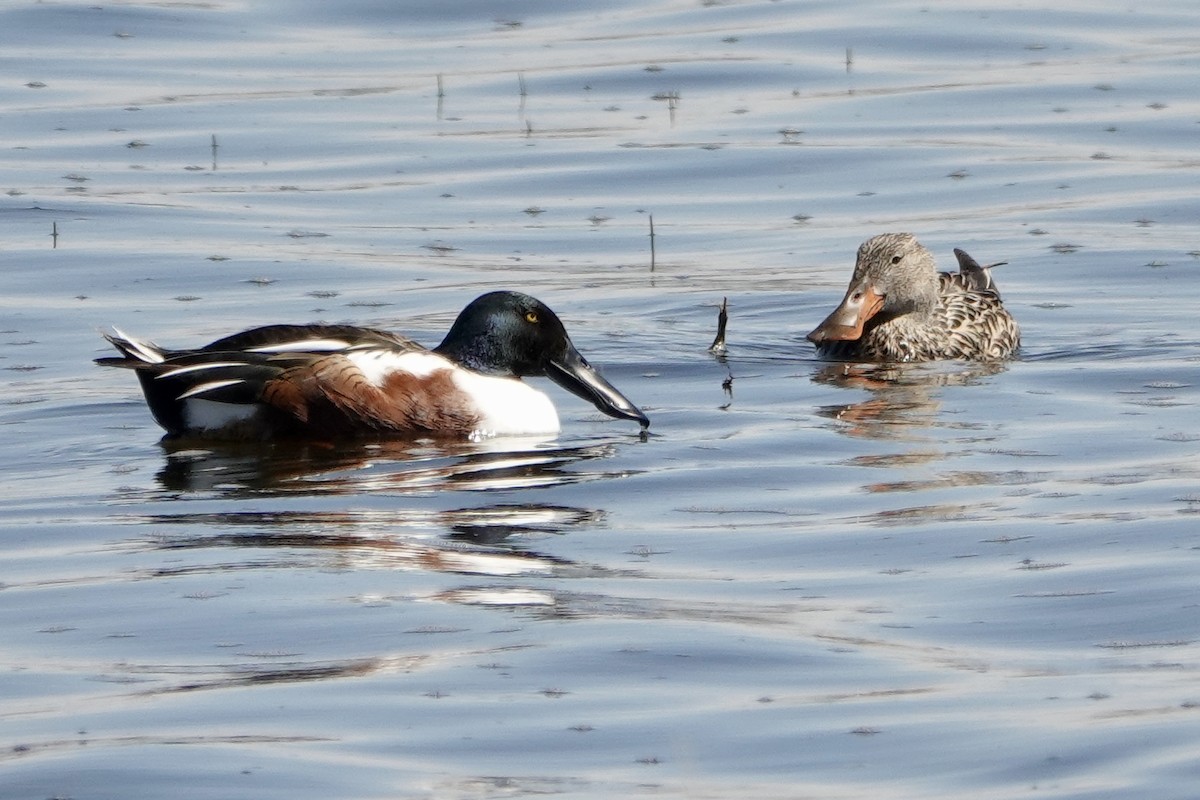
x=133, y=349
x=977, y=276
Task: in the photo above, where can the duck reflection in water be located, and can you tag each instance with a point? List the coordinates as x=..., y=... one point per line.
x=491, y=545
x=905, y=406
x=288, y=467
x=904, y=399
x=478, y=540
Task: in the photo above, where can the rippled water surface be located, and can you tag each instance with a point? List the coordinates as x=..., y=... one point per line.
x=811, y=580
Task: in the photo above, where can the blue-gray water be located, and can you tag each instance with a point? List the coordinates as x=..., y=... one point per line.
x=937, y=582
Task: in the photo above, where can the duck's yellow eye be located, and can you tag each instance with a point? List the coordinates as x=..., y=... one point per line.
x=531, y=316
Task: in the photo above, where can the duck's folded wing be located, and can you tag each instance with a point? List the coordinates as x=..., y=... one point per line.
x=310, y=339
x=226, y=377
x=222, y=377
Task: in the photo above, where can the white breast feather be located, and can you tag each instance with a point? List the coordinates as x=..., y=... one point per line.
x=507, y=406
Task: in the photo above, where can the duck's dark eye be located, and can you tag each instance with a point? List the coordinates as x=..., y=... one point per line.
x=531, y=316
x=856, y=296
x=897, y=259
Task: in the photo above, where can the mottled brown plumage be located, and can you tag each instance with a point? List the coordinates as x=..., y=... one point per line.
x=898, y=307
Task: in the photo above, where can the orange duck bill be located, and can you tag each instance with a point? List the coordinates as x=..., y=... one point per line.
x=847, y=320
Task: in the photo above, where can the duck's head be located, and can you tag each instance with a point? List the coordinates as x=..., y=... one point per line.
x=894, y=275
x=515, y=335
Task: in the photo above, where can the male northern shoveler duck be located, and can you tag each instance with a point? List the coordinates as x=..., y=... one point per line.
x=900, y=308
x=326, y=381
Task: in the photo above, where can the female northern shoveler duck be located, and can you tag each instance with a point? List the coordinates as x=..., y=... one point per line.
x=324, y=381
x=900, y=308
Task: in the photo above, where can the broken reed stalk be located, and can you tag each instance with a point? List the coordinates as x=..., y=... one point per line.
x=718, y=345
x=652, y=242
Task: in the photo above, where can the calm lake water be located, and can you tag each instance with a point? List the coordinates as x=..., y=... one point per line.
x=811, y=580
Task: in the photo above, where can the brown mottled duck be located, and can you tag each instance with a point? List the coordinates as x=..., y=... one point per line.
x=900, y=308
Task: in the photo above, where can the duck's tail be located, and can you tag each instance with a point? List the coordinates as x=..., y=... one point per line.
x=975, y=275
x=135, y=353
